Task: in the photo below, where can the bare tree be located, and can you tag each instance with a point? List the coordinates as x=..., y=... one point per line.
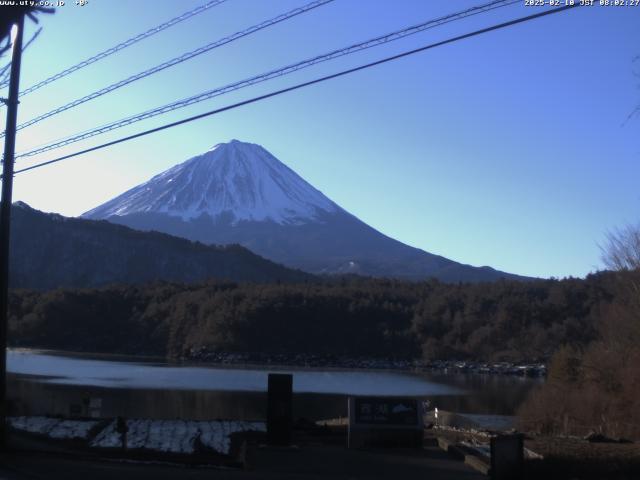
x=622, y=248
x=620, y=327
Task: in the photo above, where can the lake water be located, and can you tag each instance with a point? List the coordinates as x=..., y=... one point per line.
x=43, y=383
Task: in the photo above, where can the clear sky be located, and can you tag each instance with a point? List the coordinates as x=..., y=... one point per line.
x=509, y=149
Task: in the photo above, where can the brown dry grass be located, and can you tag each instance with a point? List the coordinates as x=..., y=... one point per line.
x=596, y=388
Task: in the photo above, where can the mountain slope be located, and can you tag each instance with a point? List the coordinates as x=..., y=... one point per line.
x=50, y=251
x=239, y=193
x=236, y=177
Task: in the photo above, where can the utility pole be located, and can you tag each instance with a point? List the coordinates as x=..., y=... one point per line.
x=5, y=219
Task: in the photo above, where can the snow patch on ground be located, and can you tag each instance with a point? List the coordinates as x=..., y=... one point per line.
x=166, y=436
x=54, y=427
x=175, y=436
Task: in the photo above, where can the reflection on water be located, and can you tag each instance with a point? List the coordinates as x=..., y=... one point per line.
x=42, y=384
x=486, y=394
x=112, y=374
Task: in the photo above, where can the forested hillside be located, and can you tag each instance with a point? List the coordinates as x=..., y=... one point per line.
x=49, y=251
x=506, y=320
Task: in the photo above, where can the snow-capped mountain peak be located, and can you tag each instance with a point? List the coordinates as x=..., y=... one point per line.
x=238, y=193
x=237, y=178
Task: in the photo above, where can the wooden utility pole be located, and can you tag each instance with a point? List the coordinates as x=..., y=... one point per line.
x=5, y=218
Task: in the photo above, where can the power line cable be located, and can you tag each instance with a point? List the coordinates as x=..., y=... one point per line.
x=304, y=84
x=122, y=45
x=270, y=75
x=175, y=61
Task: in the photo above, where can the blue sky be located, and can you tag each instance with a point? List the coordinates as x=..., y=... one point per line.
x=509, y=149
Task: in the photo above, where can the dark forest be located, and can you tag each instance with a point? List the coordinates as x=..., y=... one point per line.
x=501, y=321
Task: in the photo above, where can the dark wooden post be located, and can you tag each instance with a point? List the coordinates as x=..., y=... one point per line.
x=507, y=457
x=122, y=429
x=5, y=219
x=279, y=409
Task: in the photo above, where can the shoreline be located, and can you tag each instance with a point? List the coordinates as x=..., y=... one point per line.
x=531, y=369
x=312, y=362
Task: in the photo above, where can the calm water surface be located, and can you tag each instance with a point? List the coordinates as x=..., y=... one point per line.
x=46, y=383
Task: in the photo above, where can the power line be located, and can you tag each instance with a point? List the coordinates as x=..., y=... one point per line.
x=304, y=84
x=270, y=75
x=175, y=61
x=122, y=45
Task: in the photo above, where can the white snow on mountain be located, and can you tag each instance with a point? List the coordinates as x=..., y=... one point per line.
x=239, y=178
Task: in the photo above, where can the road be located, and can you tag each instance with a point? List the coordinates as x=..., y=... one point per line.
x=309, y=462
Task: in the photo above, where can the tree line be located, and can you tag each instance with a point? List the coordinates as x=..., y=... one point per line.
x=595, y=386
x=357, y=317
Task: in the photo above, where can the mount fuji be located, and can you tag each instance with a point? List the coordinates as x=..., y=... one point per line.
x=238, y=193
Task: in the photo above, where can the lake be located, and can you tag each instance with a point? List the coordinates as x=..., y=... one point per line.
x=46, y=383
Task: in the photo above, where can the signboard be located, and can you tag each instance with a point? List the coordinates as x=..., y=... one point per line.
x=95, y=407
x=381, y=411
x=385, y=422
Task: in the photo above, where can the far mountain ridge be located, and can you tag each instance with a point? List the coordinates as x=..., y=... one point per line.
x=238, y=192
x=52, y=251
